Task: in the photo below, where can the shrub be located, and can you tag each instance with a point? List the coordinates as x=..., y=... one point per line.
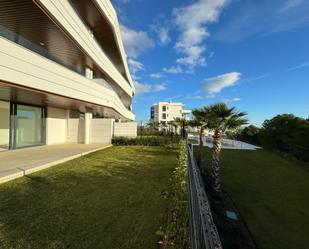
x=174, y=234
x=146, y=140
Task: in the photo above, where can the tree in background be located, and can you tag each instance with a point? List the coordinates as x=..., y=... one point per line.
x=219, y=118
x=287, y=133
x=249, y=134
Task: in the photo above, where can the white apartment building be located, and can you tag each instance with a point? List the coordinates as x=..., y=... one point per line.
x=63, y=73
x=168, y=111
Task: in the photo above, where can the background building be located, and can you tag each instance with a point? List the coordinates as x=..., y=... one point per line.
x=63, y=73
x=168, y=111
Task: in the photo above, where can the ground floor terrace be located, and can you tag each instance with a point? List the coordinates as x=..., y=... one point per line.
x=112, y=198
x=31, y=118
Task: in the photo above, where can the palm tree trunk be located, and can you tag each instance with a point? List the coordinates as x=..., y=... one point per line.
x=200, y=157
x=201, y=137
x=216, y=149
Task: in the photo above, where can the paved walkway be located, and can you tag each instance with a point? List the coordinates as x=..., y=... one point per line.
x=17, y=163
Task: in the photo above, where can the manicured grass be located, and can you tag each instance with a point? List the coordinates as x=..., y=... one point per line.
x=108, y=199
x=272, y=194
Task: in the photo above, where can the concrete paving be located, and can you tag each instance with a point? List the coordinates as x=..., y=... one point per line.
x=17, y=163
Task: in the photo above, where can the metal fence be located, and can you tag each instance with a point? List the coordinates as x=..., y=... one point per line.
x=203, y=232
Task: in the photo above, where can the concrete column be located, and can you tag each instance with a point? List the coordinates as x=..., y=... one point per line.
x=87, y=128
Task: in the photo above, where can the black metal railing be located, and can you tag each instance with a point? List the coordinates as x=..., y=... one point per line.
x=202, y=230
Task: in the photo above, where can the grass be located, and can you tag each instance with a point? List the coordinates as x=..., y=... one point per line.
x=108, y=199
x=272, y=195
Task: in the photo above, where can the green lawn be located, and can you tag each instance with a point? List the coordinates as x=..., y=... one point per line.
x=272, y=194
x=108, y=199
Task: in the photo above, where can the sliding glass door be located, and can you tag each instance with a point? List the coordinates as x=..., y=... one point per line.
x=28, y=126
x=21, y=125
x=4, y=125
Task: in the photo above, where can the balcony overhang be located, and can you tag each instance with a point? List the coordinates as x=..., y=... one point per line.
x=25, y=95
x=103, y=31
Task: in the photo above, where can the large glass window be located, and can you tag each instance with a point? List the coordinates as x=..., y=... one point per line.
x=28, y=126
x=4, y=125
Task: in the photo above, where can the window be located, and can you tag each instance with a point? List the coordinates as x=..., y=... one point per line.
x=163, y=116
x=164, y=108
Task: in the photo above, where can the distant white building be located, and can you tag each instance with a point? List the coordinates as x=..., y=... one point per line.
x=168, y=111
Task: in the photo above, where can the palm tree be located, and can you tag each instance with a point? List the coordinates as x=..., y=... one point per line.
x=163, y=125
x=181, y=122
x=219, y=118
x=199, y=120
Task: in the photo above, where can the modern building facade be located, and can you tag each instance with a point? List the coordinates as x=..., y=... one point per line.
x=63, y=73
x=168, y=111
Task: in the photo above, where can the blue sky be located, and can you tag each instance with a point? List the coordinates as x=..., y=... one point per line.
x=252, y=54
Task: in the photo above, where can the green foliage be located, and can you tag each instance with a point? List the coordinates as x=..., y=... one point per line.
x=287, y=133
x=147, y=140
x=219, y=116
x=175, y=233
x=249, y=134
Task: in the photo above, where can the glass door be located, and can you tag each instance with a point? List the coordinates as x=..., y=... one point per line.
x=28, y=126
x=4, y=125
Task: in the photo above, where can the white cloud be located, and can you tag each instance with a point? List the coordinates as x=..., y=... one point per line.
x=162, y=29
x=159, y=87
x=146, y=88
x=290, y=4
x=217, y=84
x=135, y=66
x=306, y=64
x=263, y=76
x=135, y=42
x=174, y=97
x=157, y=75
x=163, y=34
x=231, y=100
x=173, y=70
x=192, y=21
x=262, y=18
x=142, y=88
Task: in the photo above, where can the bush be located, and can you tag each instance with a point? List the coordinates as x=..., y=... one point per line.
x=146, y=140
x=174, y=234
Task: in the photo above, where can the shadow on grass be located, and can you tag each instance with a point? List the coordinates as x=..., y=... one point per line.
x=109, y=199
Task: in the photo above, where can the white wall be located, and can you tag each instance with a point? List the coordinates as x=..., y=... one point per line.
x=4, y=123
x=24, y=67
x=56, y=126
x=125, y=129
x=101, y=130
x=75, y=130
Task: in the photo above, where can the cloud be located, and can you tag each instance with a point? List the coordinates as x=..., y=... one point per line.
x=146, y=88
x=261, y=18
x=306, y=64
x=192, y=21
x=290, y=4
x=263, y=76
x=174, y=97
x=173, y=70
x=163, y=34
x=135, y=42
x=217, y=84
x=142, y=88
x=162, y=28
x=157, y=75
x=231, y=100
x=159, y=87
x=135, y=66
